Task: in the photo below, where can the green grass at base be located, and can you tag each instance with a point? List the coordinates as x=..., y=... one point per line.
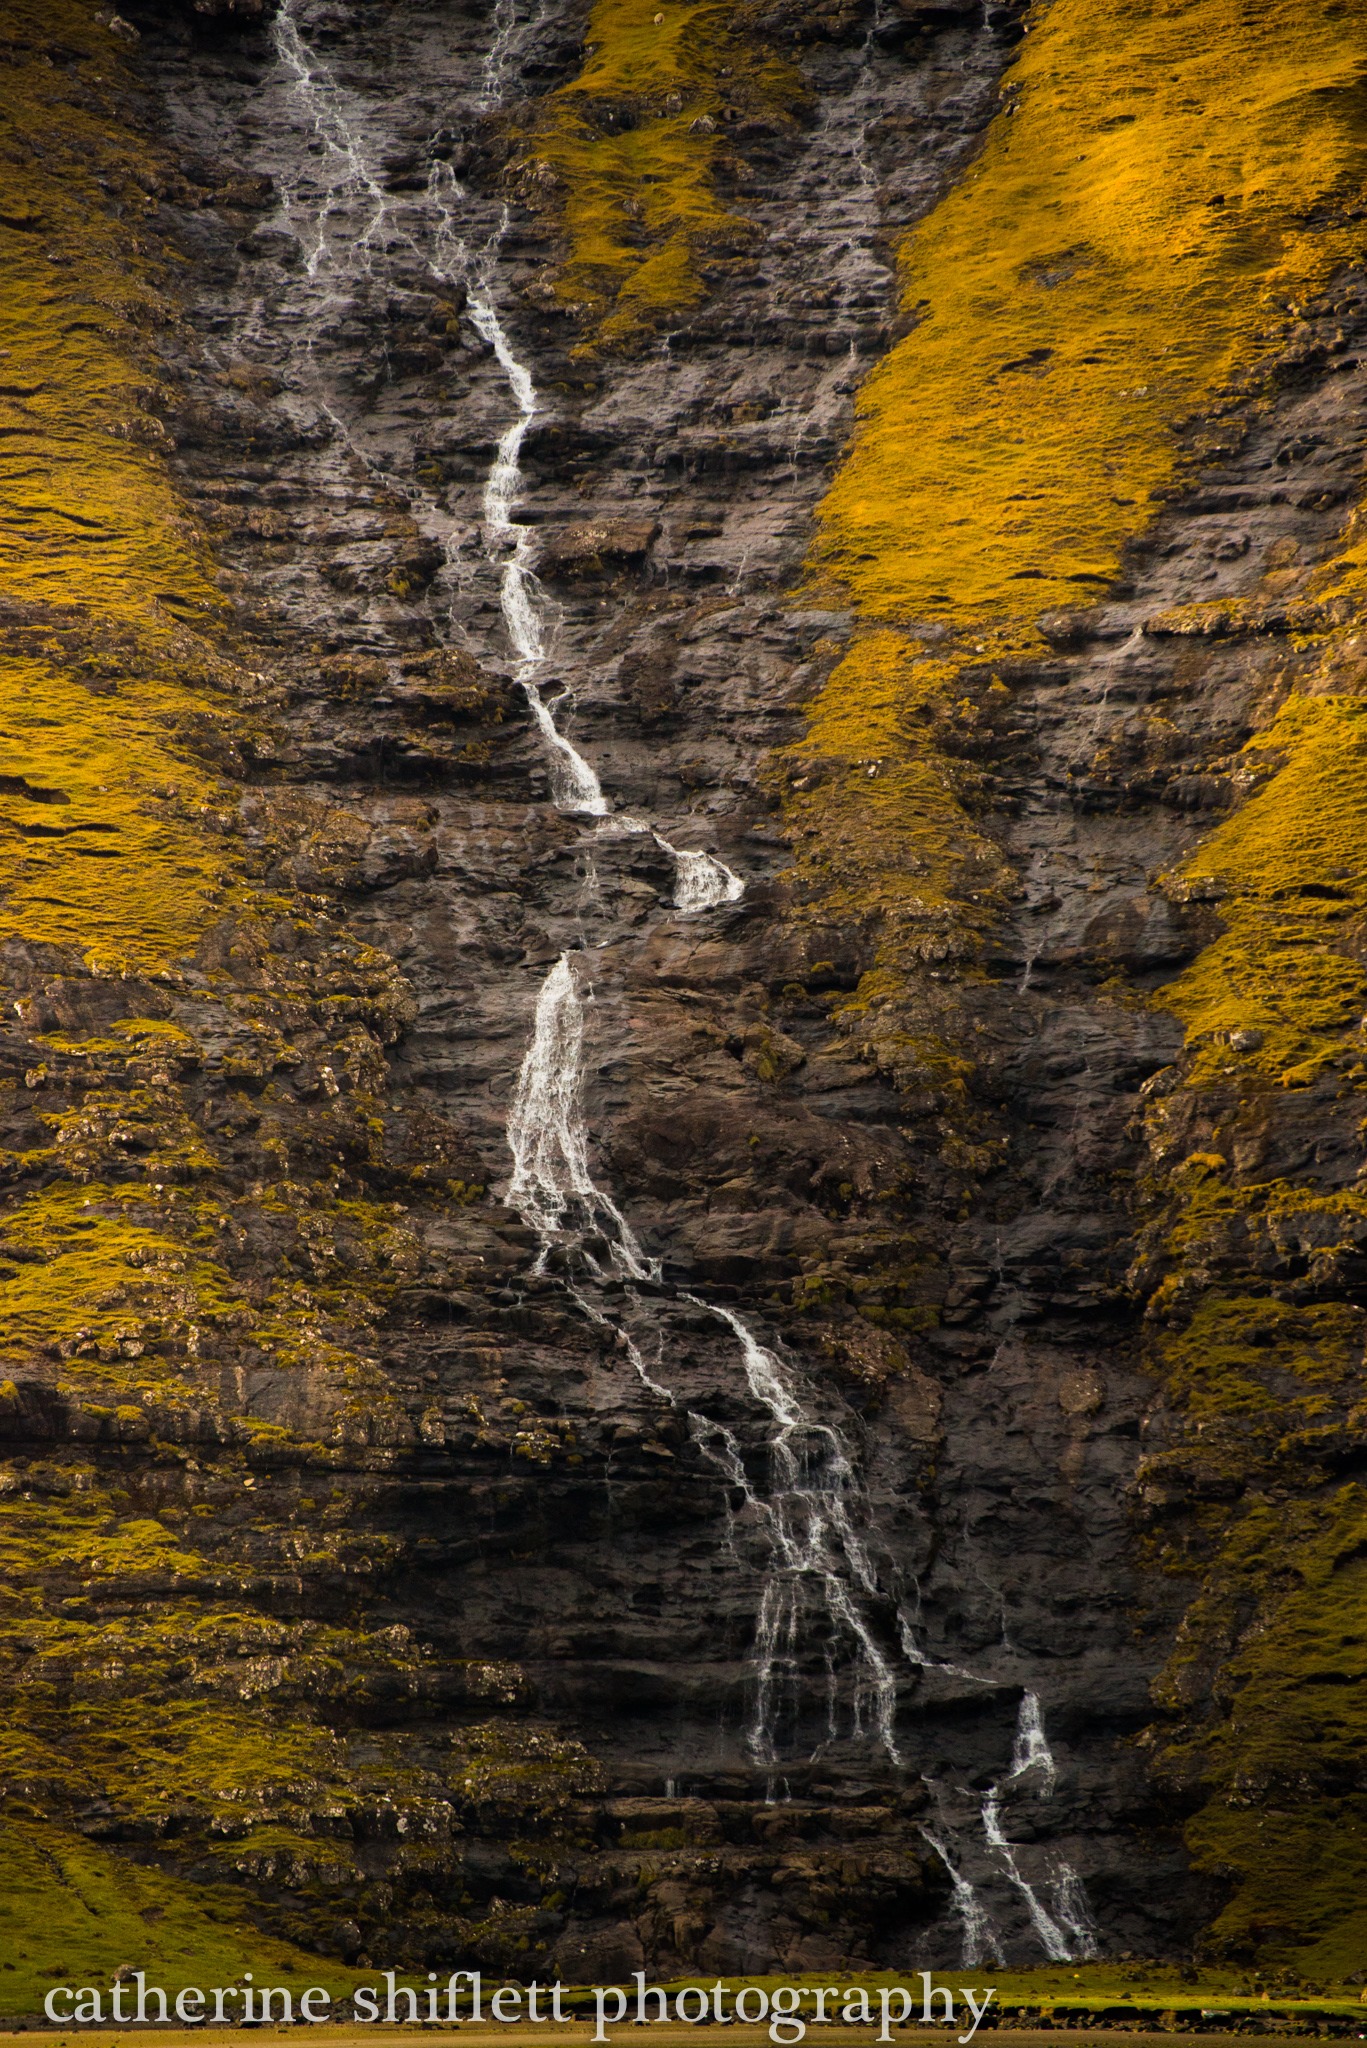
x=73, y=1913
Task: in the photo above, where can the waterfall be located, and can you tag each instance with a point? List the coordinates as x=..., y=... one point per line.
x=523, y=613
x=701, y=881
x=548, y=1139
x=1068, y=1932
x=1074, y=1914
x=334, y=243
x=1051, y=1936
x=817, y=1558
x=981, y=1941
x=574, y=785
x=798, y=1488
x=1030, y=1751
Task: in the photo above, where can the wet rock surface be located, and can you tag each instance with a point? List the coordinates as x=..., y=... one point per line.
x=557, y=1582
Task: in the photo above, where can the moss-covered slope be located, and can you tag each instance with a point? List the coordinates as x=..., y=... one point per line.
x=1259, y=1330
x=1103, y=310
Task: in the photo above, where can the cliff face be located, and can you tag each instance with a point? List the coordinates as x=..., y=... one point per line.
x=681, y=1231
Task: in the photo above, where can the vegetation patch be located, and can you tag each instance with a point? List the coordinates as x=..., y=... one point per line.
x=1147, y=213
x=74, y=1911
x=629, y=157
x=1099, y=308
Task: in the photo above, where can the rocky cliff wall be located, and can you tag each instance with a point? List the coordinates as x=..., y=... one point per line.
x=878, y=1454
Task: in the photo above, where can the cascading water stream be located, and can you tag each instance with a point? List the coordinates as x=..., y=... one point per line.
x=808, y=1508
x=1031, y=1751
x=574, y=785
x=701, y=881
x=1066, y=1933
x=1052, y=1938
x=817, y=1557
x=349, y=186
x=982, y=1944
x=549, y=1141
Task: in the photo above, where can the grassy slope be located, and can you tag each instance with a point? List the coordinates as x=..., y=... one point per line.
x=73, y=1913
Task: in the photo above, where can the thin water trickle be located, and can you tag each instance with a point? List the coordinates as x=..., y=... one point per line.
x=980, y=1938
x=1051, y=1936
x=818, y=1562
x=701, y=881
x=1066, y=1933
x=1072, y=1911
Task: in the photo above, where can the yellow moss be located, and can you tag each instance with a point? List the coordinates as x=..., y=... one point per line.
x=123, y=1283
x=152, y=1125
x=630, y=151
x=94, y=852
x=1286, y=1822
x=116, y=838
x=1076, y=297
x=101, y=858
x=155, y=1028
x=117, y=1550
x=1080, y=289
x=882, y=838
x=137, y=1277
x=97, y=1270
x=1274, y=1002
x=1232, y=1356
x=1289, y=873
x=90, y=515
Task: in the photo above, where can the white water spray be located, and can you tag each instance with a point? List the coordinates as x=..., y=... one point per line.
x=1074, y=1914
x=700, y=882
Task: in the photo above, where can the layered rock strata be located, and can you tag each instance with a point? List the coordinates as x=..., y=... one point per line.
x=412, y=1569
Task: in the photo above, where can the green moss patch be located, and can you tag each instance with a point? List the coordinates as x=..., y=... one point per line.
x=1094, y=312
